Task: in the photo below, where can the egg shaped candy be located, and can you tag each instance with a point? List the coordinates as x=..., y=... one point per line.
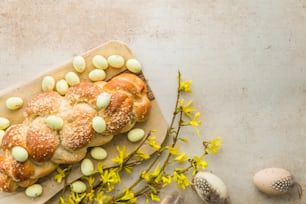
x=273, y=181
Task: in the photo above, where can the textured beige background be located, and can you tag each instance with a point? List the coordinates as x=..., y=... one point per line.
x=247, y=60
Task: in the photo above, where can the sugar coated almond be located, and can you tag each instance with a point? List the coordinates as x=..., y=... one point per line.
x=87, y=167
x=20, y=153
x=99, y=62
x=48, y=83
x=79, y=64
x=34, y=191
x=4, y=123
x=98, y=124
x=72, y=78
x=133, y=65
x=136, y=134
x=54, y=122
x=14, y=103
x=97, y=75
x=98, y=153
x=62, y=86
x=115, y=61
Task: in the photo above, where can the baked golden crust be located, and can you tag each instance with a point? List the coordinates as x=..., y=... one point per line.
x=41, y=141
x=14, y=136
x=47, y=147
x=84, y=92
x=43, y=104
x=78, y=132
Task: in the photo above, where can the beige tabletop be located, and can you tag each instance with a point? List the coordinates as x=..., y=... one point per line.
x=247, y=60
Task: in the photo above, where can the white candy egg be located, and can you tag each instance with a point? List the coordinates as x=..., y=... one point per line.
x=97, y=75
x=98, y=124
x=72, y=78
x=103, y=100
x=273, y=181
x=99, y=62
x=62, y=86
x=34, y=191
x=115, y=61
x=210, y=188
x=20, y=153
x=4, y=123
x=78, y=187
x=87, y=167
x=98, y=153
x=2, y=132
x=79, y=64
x=54, y=122
x=133, y=65
x=136, y=134
x=14, y=103
x=48, y=83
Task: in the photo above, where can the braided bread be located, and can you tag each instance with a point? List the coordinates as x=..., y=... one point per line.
x=47, y=147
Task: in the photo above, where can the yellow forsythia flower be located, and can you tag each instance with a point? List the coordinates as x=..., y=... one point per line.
x=122, y=155
x=166, y=180
x=181, y=157
x=154, y=197
x=185, y=85
x=214, y=145
x=61, y=173
x=128, y=196
x=186, y=108
x=181, y=179
x=153, y=143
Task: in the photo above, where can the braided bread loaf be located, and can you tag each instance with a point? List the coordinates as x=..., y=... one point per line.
x=47, y=147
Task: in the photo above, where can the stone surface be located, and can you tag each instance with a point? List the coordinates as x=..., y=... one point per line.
x=247, y=60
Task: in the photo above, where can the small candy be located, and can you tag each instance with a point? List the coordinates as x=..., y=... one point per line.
x=34, y=191
x=62, y=87
x=97, y=75
x=98, y=124
x=136, y=134
x=72, y=78
x=78, y=187
x=14, y=103
x=133, y=65
x=2, y=132
x=20, y=153
x=4, y=123
x=99, y=62
x=103, y=100
x=115, y=61
x=79, y=64
x=98, y=153
x=87, y=167
x=54, y=122
x=48, y=83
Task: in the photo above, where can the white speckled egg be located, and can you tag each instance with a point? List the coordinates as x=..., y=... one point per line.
x=273, y=181
x=210, y=188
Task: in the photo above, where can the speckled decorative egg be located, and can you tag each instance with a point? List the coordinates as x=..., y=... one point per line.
x=273, y=181
x=210, y=188
x=173, y=198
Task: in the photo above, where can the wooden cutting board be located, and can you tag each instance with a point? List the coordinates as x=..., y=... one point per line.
x=28, y=89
